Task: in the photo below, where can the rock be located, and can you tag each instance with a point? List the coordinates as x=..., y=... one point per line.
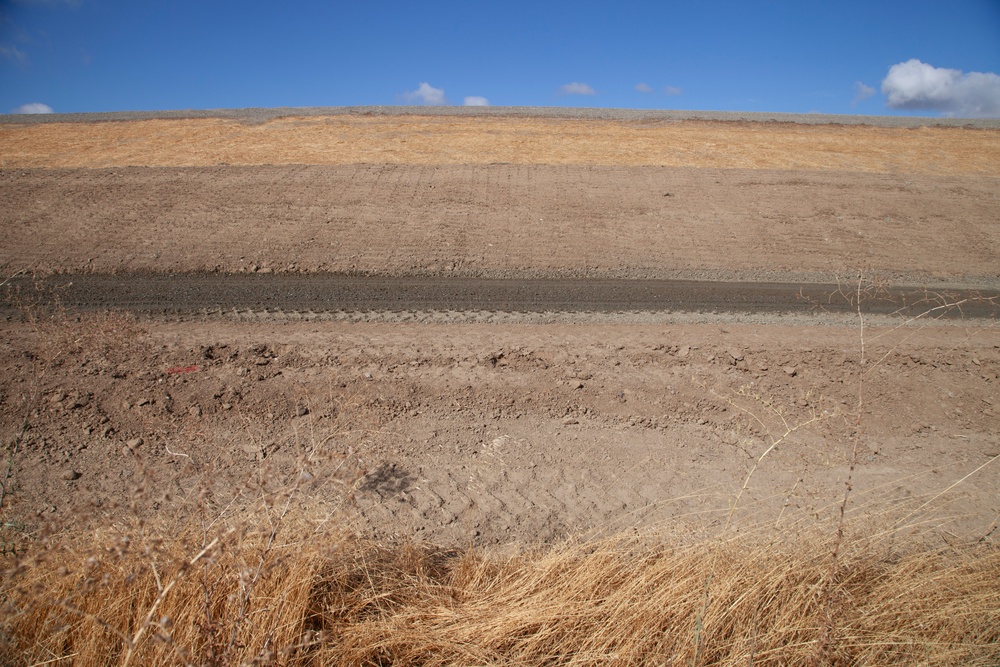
x=195, y=411
x=301, y=411
x=790, y=371
x=134, y=444
x=683, y=351
x=70, y=475
x=736, y=355
x=253, y=450
x=569, y=421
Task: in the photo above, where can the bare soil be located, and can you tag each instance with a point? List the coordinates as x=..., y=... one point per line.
x=504, y=221
x=460, y=430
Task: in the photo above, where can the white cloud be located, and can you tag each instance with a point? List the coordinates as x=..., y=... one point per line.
x=34, y=107
x=861, y=93
x=643, y=88
x=13, y=53
x=918, y=86
x=577, y=89
x=672, y=90
x=426, y=94
x=476, y=101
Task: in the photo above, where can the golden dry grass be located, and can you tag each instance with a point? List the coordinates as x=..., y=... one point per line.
x=274, y=593
x=348, y=139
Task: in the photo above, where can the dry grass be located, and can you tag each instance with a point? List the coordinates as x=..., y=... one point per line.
x=446, y=140
x=251, y=594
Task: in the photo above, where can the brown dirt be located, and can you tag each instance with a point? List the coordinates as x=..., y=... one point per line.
x=491, y=433
x=521, y=432
x=503, y=220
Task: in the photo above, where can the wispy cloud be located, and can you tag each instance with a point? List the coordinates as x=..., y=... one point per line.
x=426, y=94
x=71, y=3
x=643, y=88
x=13, y=53
x=672, y=90
x=476, y=101
x=576, y=88
x=33, y=107
x=861, y=93
x=916, y=85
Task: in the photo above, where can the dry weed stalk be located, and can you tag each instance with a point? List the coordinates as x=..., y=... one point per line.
x=619, y=602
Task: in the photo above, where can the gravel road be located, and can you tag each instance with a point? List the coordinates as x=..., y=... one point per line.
x=153, y=293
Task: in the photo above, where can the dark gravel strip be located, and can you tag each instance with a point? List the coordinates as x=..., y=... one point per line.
x=252, y=116
x=159, y=293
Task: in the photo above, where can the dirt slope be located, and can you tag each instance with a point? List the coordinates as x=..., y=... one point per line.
x=465, y=432
x=504, y=220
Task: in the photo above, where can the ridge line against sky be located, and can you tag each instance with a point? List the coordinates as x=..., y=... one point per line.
x=873, y=58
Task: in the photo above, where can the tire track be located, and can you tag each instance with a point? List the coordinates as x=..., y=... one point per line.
x=317, y=296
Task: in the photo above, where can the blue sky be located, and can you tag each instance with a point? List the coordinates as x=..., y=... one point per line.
x=804, y=56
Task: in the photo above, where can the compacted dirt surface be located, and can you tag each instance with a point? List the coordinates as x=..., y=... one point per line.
x=470, y=328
